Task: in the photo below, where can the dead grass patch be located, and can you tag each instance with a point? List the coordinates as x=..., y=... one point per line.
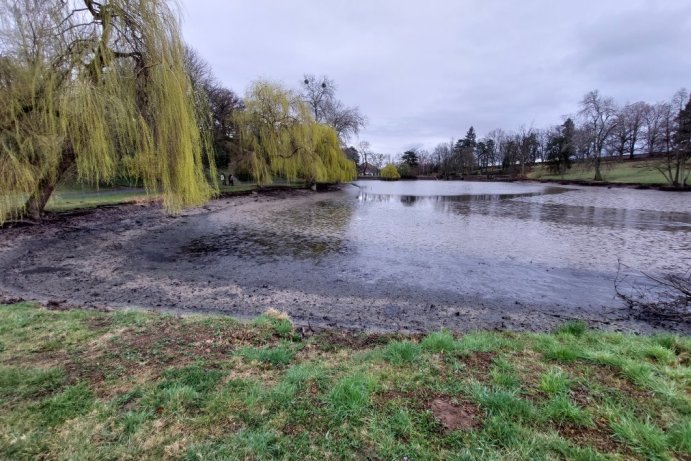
x=479, y=364
x=597, y=436
x=331, y=339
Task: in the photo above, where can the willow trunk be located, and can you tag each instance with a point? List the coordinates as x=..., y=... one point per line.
x=37, y=201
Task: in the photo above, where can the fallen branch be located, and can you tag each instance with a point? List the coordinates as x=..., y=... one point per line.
x=667, y=298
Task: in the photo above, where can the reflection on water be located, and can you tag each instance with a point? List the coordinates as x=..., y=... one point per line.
x=263, y=244
x=325, y=216
x=502, y=206
x=303, y=233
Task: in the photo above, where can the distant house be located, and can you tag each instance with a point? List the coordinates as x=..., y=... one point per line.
x=367, y=169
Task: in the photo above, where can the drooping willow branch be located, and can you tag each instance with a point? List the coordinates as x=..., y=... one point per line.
x=282, y=139
x=108, y=93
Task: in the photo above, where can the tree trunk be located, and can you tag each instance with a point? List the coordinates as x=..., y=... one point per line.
x=37, y=201
x=598, y=174
x=522, y=169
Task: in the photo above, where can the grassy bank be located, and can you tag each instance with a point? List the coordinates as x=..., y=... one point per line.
x=131, y=385
x=71, y=198
x=629, y=172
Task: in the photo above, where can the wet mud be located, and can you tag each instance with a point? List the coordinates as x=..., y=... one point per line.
x=241, y=256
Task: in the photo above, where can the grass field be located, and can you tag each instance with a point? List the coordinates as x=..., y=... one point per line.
x=640, y=172
x=86, y=385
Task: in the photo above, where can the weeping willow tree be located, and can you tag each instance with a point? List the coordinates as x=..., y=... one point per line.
x=279, y=137
x=98, y=89
x=390, y=172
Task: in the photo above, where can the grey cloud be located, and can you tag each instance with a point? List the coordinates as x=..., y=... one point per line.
x=641, y=50
x=425, y=72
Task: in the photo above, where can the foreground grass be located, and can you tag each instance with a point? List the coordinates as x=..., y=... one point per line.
x=131, y=385
x=638, y=172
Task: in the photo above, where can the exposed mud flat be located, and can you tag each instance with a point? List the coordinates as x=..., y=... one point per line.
x=240, y=256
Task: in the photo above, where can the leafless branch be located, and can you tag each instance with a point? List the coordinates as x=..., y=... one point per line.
x=668, y=298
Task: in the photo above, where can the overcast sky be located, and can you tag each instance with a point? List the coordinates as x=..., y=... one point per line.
x=423, y=72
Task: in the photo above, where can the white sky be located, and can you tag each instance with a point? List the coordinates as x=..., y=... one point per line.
x=423, y=72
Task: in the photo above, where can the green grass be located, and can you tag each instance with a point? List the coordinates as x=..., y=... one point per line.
x=277, y=356
x=635, y=172
x=554, y=381
x=66, y=200
x=400, y=352
x=75, y=197
x=350, y=397
x=134, y=385
x=71, y=402
x=440, y=341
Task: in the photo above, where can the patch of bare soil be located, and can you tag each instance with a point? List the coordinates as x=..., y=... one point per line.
x=7, y=299
x=454, y=416
x=479, y=364
x=328, y=340
x=451, y=412
x=99, y=323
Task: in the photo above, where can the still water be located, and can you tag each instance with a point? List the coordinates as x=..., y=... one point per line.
x=532, y=244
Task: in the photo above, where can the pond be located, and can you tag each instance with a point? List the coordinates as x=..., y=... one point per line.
x=407, y=255
x=497, y=244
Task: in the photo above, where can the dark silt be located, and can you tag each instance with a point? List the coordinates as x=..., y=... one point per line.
x=409, y=256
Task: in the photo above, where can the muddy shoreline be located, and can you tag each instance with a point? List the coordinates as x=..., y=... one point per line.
x=136, y=256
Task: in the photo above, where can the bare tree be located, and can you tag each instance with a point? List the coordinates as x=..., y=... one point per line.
x=528, y=146
x=599, y=119
x=320, y=95
x=317, y=93
x=424, y=162
x=628, y=129
x=365, y=152
x=676, y=163
x=543, y=138
x=443, y=155
x=216, y=106
x=652, y=126
x=347, y=121
x=619, y=140
x=634, y=120
x=498, y=138
x=378, y=160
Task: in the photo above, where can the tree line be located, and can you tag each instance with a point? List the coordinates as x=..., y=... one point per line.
x=600, y=129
